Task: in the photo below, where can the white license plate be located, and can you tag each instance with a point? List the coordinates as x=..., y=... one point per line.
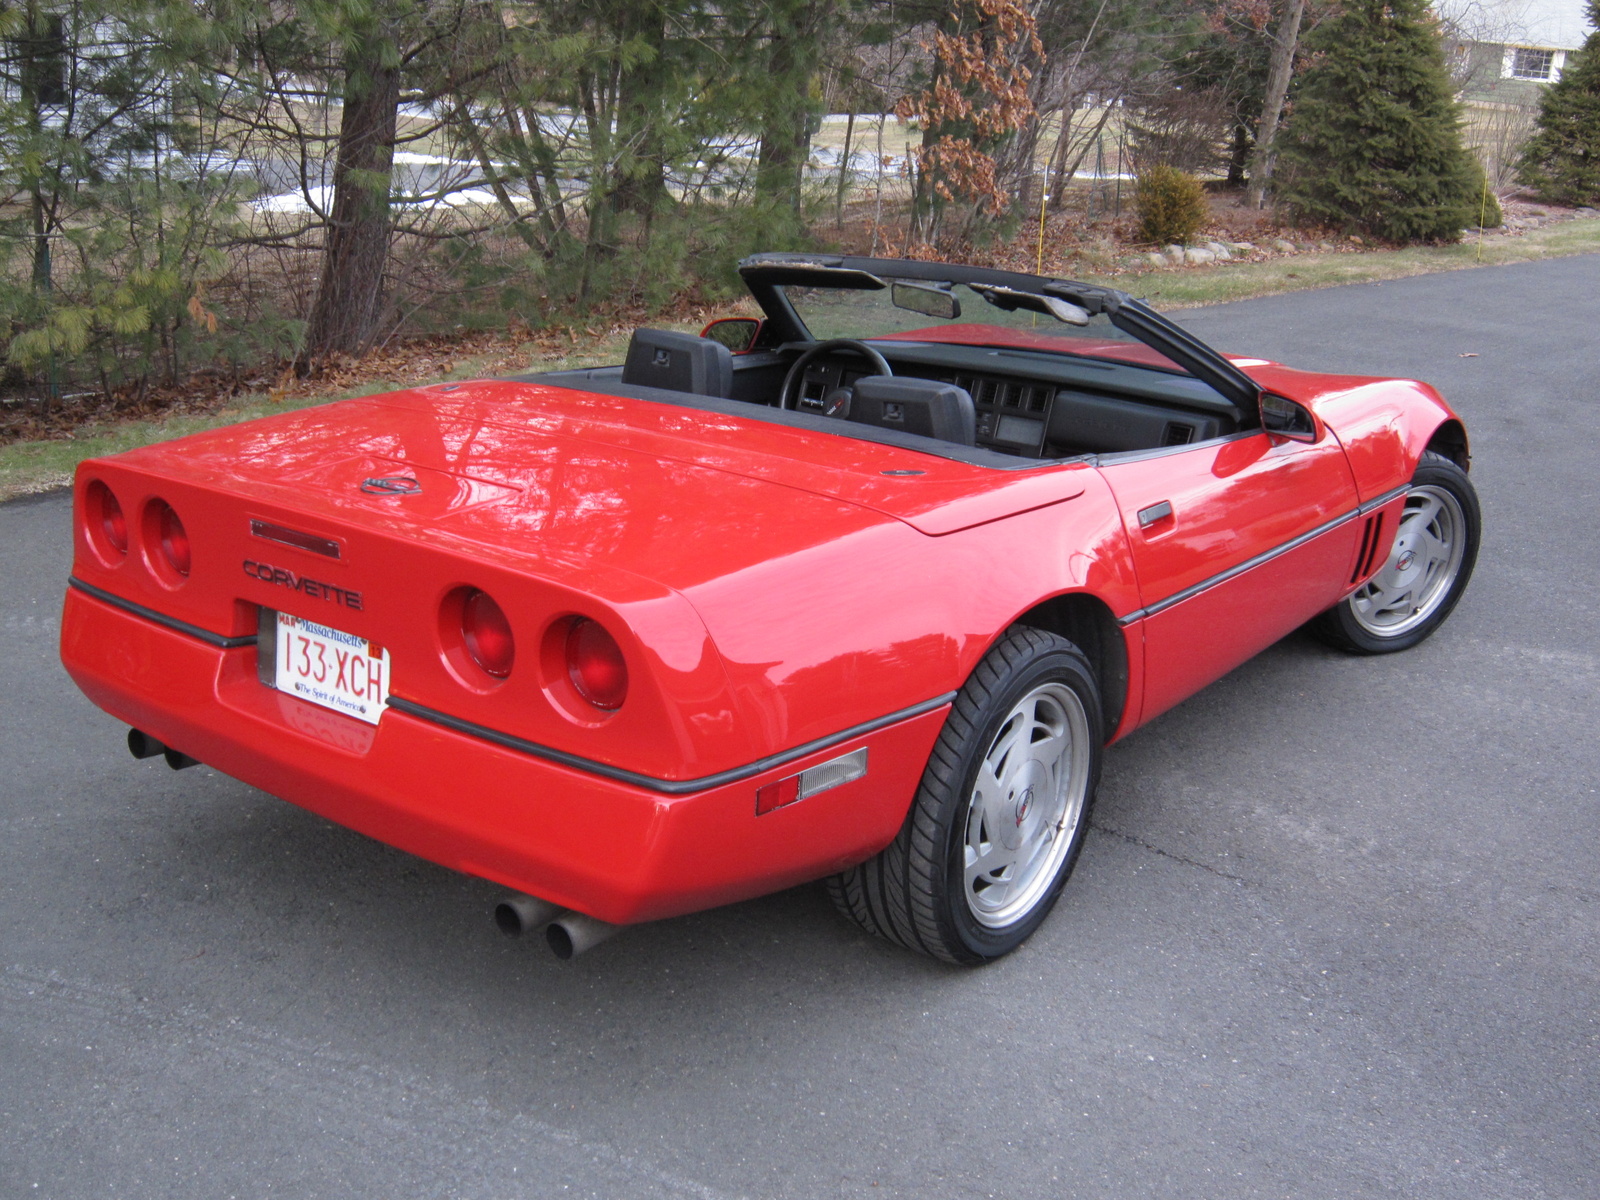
x=337, y=670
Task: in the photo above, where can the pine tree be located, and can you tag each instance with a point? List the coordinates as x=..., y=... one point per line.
x=1373, y=144
x=1562, y=160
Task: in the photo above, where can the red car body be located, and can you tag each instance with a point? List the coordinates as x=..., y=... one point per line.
x=781, y=596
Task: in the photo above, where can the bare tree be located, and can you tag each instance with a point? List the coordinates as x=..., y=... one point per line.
x=1285, y=41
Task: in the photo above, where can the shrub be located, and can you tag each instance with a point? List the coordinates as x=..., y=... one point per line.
x=1171, y=205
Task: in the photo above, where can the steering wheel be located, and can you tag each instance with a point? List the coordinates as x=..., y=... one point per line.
x=789, y=395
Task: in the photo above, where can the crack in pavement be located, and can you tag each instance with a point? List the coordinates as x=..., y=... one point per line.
x=1178, y=858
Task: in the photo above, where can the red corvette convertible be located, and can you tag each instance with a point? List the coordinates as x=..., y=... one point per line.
x=858, y=591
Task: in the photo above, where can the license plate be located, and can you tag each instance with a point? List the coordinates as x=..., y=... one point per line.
x=332, y=668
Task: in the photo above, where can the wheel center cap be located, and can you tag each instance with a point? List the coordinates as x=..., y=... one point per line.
x=1407, y=557
x=1019, y=818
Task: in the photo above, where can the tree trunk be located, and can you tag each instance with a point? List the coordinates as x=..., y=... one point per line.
x=844, y=166
x=786, y=117
x=349, y=303
x=1238, y=154
x=1284, y=42
x=641, y=162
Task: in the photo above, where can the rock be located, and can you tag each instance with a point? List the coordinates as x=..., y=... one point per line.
x=1357, y=240
x=1241, y=247
x=1156, y=259
x=1223, y=254
x=1284, y=246
x=1199, y=256
x=1175, y=252
x=1324, y=245
x=1586, y=211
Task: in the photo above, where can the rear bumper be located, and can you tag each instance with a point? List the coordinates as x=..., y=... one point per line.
x=606, y=847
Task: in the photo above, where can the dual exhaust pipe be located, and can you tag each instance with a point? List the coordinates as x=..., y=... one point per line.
x=142, y=745
x=567, y=933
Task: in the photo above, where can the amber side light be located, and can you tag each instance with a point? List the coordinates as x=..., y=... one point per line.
x=487, y=634
x=595, y=665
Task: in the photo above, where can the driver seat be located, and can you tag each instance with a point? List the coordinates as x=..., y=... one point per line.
x=679, y=362
x=912, y=405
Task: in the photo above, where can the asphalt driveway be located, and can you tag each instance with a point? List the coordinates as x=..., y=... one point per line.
x=1334, y=933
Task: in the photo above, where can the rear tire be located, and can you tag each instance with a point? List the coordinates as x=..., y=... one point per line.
x=1435, y=548
x=1000, y=814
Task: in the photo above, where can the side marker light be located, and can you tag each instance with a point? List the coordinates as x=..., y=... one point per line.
x=847, y=768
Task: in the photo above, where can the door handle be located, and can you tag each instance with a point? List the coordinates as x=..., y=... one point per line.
x=1155, y=514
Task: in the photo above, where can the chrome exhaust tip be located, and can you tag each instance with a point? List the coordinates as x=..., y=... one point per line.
x=517, y=914
x=142, y=745
x=572, y=933
x=178, y=760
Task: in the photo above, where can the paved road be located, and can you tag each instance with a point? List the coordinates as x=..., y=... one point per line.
x=1334, y=935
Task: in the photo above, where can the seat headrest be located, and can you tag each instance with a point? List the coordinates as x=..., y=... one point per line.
x=680, y=362
x=925, y=406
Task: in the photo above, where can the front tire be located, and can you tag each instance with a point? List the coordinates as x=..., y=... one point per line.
x=1435, y=548
x=1001, y=812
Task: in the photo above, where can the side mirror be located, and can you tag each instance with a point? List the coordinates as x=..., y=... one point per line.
x=1286, y=419
x=736, y=333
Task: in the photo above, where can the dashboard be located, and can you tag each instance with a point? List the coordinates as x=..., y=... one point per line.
x=1038, y=406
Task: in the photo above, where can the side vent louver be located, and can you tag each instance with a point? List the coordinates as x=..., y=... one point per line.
x=1371, y=539
x=1178, y=435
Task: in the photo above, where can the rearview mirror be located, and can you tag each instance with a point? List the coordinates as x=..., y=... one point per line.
x=736, y=333
x=929, y=301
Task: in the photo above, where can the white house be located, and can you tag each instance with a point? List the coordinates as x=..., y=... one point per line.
x=1503, y=49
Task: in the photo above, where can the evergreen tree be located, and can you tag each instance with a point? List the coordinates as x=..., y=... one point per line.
x=110, y=207
x=1562, y=161
x=1373, y=143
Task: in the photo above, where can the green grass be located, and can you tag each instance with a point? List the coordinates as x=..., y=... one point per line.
x=1183, y=287
x=38, y=466
x=29, y=467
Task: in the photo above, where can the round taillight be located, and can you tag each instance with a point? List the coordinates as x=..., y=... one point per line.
x=487, y=635
x=595, y=666
x=174, y=540
x=105, y=511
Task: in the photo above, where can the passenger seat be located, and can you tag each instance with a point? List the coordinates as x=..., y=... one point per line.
x=679, y=362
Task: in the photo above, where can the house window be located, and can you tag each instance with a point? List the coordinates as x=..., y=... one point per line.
x=1527, y=63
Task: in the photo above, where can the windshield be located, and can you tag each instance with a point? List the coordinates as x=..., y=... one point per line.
x=835, y=312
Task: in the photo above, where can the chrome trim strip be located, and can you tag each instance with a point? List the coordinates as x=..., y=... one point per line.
x=284, y=536
x=669, y=787
x=1293, y=543
x=150, y=614
x=1388, y=497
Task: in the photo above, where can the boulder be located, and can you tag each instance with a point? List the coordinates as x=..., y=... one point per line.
x=1284, y=246
x=1198, y=255
x=1156, y=259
